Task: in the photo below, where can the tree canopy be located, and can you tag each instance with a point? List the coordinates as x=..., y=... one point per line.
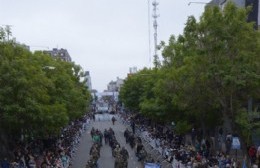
x=207, y=74
x=38, y=94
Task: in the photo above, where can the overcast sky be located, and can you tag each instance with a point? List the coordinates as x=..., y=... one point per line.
x=105, y=37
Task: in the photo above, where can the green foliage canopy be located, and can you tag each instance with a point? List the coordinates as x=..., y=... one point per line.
x=34, y=98
x=207, y=74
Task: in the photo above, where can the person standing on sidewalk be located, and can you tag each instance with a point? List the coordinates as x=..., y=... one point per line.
x=133, y=126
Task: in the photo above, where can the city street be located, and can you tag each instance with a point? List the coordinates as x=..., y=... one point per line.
x=103, y=121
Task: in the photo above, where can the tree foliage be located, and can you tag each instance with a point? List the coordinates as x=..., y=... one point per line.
x=34, y=98
x=207, y=74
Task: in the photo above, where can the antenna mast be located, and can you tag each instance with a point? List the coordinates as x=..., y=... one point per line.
x=155, y=25
x=149, y=32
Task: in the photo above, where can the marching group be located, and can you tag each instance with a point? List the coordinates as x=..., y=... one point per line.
x=120, y=154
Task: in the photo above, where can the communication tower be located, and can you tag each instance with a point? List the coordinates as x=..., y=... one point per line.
x=155, y=25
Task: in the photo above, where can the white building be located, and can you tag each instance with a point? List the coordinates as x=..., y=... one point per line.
x=114, y=86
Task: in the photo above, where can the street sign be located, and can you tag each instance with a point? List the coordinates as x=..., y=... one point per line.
x=236, y=143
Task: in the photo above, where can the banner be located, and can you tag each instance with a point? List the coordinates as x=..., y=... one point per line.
x=152, y=165
x=235, y=143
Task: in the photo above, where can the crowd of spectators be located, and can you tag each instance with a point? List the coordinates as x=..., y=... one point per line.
x=180, y=151
x=51, y=152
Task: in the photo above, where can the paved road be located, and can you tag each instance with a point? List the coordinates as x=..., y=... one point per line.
x=103, y=121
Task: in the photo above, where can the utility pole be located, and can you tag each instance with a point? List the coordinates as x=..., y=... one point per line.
x=155, y=25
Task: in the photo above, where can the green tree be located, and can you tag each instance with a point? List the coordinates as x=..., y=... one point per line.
x=131, y=92
x=35, y=99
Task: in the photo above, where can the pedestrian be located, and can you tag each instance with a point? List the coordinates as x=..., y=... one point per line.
x=113, y=120
x=94, y=117
x=133, y=126
x=142, y=155
x=258, y=156
x=252, y=154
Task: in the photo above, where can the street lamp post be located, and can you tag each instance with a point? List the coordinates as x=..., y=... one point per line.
x=207, y=3
x=198, y=3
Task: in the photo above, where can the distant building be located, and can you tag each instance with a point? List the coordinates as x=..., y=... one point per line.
x=132, y=70
x=88, y=78
x=59, y=54
x=111, y=87
x=114, y=86
x=254, y=15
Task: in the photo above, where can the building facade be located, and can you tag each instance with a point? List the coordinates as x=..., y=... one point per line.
x=254, y=15
x=59, y=54
x=114, y=86
x=88, y=78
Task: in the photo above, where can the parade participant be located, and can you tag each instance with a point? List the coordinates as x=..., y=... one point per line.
x=100, y=137
x=116, y=151
x=126, y=135
x=113, y=120
x=92, y=163
x=95, y=149
x=94, y=155
x=106, y=136
x=125, y=155
x=111, y=131
x=92, y=132
x=96, y=137
x=119, y=162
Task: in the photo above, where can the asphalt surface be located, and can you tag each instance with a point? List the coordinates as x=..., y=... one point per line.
x=106, y=160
